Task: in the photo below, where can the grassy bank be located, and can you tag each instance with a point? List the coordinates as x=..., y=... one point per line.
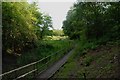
x=97, y=61
x=43, y=49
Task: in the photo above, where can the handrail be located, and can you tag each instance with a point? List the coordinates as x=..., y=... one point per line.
x=25, y=74
x=33, y=63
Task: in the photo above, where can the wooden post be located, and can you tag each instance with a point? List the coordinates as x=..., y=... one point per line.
x=15, y=74
x=34, y=73
x=37, y=67
x=84, y=76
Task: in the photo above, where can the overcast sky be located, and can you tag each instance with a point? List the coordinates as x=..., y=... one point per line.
x=57, y=10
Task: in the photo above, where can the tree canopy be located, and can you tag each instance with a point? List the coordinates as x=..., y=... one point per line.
x=93, y=21
x=23, y=25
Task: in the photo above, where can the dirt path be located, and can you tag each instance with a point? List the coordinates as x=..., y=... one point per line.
x=51, y=70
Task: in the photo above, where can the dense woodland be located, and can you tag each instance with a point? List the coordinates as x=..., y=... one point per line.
x=93, y=21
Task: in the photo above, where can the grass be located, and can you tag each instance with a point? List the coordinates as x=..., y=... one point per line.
x=92, y=60
x=56, y=37
x=43, y=49
x=65, y=71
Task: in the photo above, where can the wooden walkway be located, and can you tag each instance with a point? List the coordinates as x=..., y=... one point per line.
x=52, y=69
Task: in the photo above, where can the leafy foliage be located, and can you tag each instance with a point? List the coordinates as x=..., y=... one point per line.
x=23, y=25
x=93, y=21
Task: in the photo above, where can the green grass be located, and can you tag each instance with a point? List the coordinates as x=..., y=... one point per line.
x=65, y=70
x=92, y=59
x=44, y=49
x=56, y=37
x=71, y=65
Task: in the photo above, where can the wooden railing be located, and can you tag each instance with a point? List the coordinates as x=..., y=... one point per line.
x=35, y=68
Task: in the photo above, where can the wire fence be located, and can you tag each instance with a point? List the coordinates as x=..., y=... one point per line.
x=31, y=70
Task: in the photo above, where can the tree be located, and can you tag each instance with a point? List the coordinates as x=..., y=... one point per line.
x=45, y=26
x=22, y=28
x=93, y=21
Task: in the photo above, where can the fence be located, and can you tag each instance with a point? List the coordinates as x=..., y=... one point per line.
x=33, y=69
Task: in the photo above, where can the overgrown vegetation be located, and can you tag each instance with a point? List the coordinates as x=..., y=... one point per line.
x=45, y=48
x=25, y=36
x=96, y=27
x=56, y=35
x=100, y=62
x=23, y=26
x=93, y=21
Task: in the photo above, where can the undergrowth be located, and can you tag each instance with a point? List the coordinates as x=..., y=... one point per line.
x=97, y=63
x=44, y=49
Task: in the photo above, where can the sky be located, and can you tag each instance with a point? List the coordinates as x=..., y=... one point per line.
x=57, y=10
